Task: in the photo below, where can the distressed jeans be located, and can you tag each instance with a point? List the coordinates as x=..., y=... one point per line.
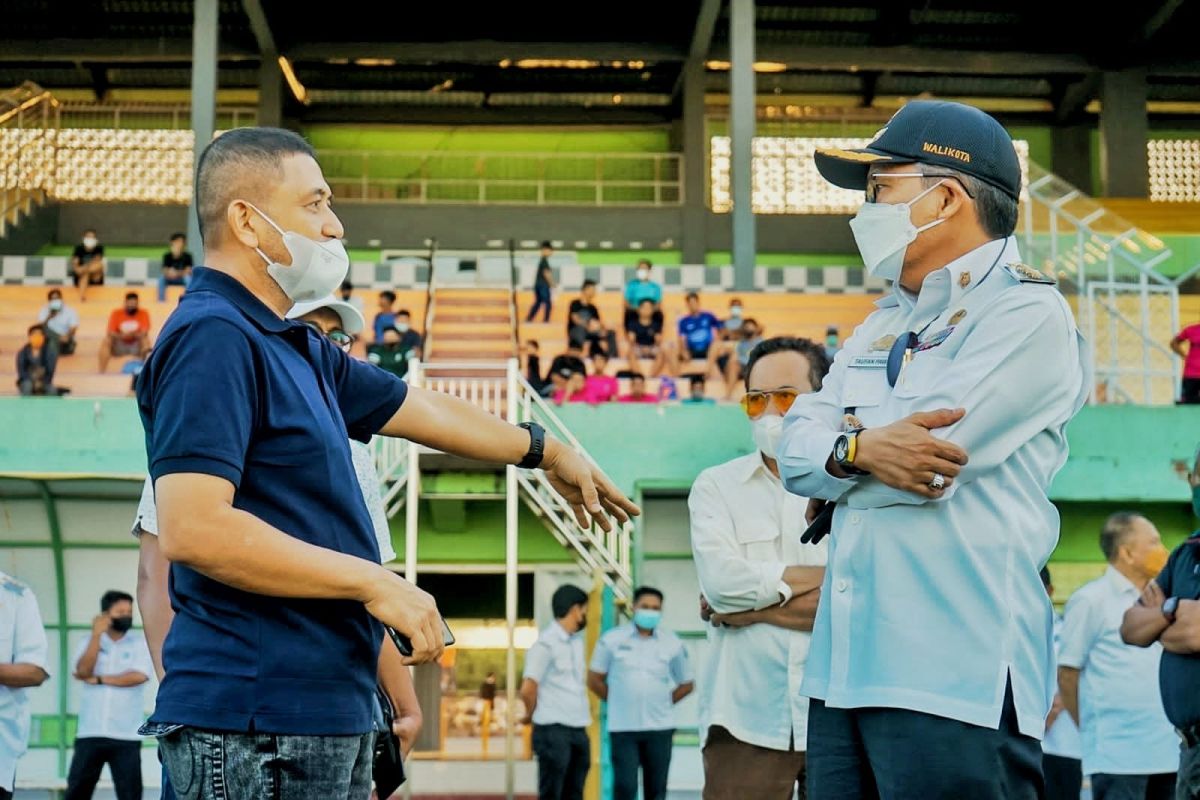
x=209, y=765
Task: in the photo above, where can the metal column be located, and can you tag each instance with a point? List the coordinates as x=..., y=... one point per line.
x=741, y=128
x=204, y=101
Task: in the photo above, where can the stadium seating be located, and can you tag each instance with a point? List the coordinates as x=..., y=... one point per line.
x=19, y=306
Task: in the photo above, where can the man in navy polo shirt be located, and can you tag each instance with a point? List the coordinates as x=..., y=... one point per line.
x=275, y=581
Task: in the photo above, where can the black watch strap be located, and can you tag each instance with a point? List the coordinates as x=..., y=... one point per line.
x=537, y=445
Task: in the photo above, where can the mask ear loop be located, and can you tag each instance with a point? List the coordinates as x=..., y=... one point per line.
x=270, y=222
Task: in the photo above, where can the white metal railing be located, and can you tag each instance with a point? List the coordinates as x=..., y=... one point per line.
x=28, y=120
x=391, y=463
x=1128, y=308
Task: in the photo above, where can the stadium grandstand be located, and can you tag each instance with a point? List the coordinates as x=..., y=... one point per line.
x=460, y=142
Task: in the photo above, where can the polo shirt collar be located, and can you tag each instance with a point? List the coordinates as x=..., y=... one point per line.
x=1119, y=582
x=211, y=280
x=635, y=632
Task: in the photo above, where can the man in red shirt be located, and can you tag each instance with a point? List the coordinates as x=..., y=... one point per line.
x=128, y=332
x=1191, y=363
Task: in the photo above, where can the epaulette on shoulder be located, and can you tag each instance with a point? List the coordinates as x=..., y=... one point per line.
x=1027, y=274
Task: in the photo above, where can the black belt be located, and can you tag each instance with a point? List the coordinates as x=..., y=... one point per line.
x=1190, y=735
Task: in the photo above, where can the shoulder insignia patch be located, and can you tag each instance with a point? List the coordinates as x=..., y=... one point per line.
x=10, y=585
x=1027, y=274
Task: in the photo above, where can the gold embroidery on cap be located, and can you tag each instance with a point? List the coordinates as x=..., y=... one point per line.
x=949, y=152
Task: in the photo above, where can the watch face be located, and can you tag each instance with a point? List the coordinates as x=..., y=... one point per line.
x=1170, y=605
x=841, y=448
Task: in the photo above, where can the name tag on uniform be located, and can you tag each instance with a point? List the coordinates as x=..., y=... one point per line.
x=869, y=362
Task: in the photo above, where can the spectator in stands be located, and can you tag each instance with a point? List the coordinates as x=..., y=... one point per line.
x=35, y=364
x=637, y=391
x=532, y=368
x=644, y=335
x=696, y=396
x=354, y=300
x=571, y=361
x=760, y=587
x=1060, y=747
x=601, y=386
x=128, y=332
x=556, y=700
x=1168, y=613
x=642, y=288
x=641, y=671
x=87, y=263
x=731, y=328
x=733, y=363
x=114, y=666
x=574, y=390
x=584, y=324
x=395, y=351
x=23, y=660
x=487, y=691
x=176, y=266
x=410, y=340
x=698, y=334
x=543, y=283
x=1110, y=688
x=831, y=343
x=61, y=323
x=386, y=317
x=1190, y=394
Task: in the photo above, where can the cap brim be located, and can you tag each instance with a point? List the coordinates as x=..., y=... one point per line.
x=849, y=168
x=352, y=319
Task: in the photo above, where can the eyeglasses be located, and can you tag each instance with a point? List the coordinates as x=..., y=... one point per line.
x=338, y=336
x=873, y=185
x=755, y=403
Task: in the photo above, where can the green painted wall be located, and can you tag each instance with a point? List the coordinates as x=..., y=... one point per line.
x=476, y=140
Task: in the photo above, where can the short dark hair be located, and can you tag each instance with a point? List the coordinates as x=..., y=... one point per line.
x=697, y=380
x=89, y=230
x=643, y=591
x=389, y=295
x=599, y=354
x=347, y=286
x=636, y=376
x=403, y=313
x=750, y=321
x=131, y=295
x=37, y=328
x=534, y=344
x=831, y=329
x=818, y=362
x=565, y=598
x=234, y=165
x=692, y=296
x=588, y=284
x=50, y=294
x=112, y=597
x=546, y=245
x=1045, y=576
x=645, y=261
x=1116, y=528
x=177, y=235
x=994, y=207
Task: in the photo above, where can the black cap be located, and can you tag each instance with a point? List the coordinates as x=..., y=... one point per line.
x=935, y=132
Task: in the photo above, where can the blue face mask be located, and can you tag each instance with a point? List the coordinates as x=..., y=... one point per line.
x=1196, y=501
x=647, y=618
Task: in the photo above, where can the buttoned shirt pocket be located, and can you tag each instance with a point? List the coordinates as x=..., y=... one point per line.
x=864, y=387
x=920, y=376
x=758, y=543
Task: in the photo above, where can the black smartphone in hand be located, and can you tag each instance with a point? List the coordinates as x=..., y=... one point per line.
x=404, y=645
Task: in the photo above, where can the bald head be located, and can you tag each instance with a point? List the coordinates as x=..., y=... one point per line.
x=246, y=164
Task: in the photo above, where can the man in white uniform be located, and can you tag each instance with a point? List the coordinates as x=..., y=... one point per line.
x=22, y=666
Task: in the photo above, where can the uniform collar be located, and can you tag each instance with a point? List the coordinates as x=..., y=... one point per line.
x=559, y=631
x=946, y=285
x=211, y=280
x=634, y=633
x=750, y=466
x=1119, y=581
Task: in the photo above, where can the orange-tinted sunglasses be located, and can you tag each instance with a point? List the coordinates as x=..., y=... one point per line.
x=755, y=403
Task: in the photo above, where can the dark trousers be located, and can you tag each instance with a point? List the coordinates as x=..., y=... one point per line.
x=1133, y=787
x=896, y=754
x=564, y=756
x=1187, y=784
x=207, y=765
x=541, y=296
x=1191, y=391
x=736, y=770
x=124, y=761
x=650, y=750
x=5, y=794
x=1064, y=777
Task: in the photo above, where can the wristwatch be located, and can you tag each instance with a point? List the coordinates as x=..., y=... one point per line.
x=845, y=451
x=537, y=445
x=1168, y=608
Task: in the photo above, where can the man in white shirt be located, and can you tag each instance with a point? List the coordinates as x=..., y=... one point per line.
x=556, y=700
x=22, y=667
x=1130, y=749
x=114, y=665
x=759, y=585
x=60, y=321
x=937, y=433
x=1060, y=747
x=641, y=671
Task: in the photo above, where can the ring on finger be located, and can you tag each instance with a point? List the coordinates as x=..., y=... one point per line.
x=938, y=483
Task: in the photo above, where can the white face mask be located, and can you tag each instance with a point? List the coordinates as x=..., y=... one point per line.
x=643, y=274
x=318, y=268
x=90, y=241
x=883, y=232
x=402, y=327
x=56, y=305
x=768, y=432
x=735, y=311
